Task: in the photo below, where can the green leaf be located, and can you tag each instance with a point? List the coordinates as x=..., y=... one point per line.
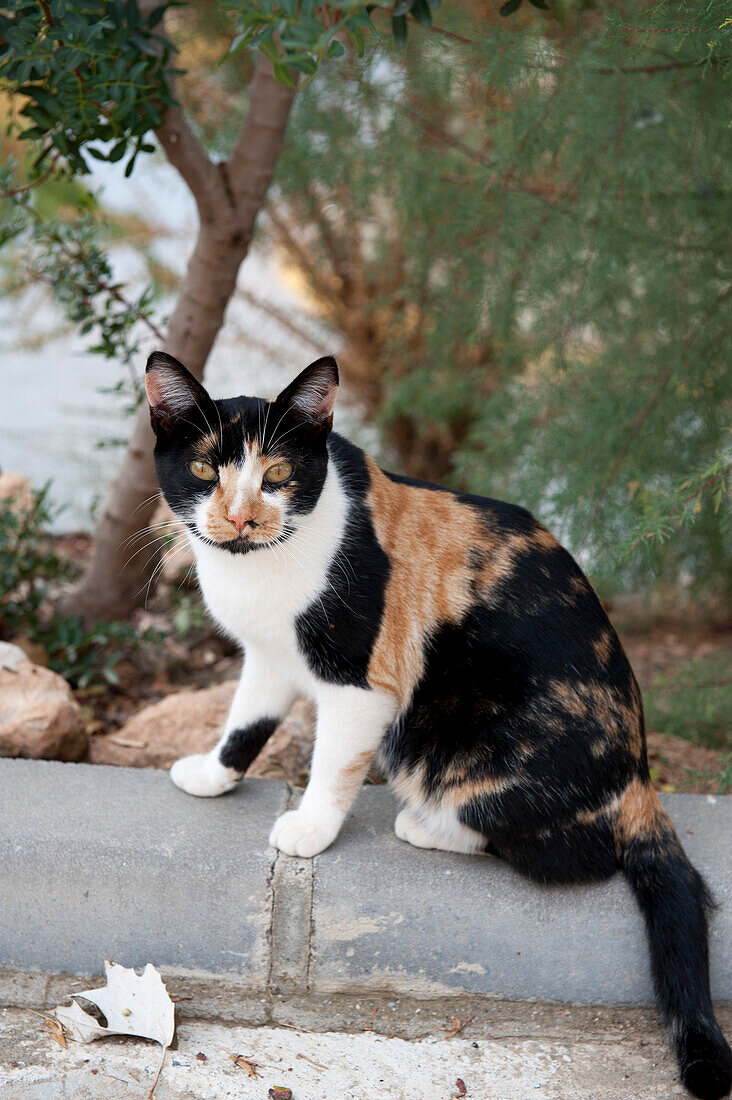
x=336, y=49
x=357, y=37
x=402, y=7
x=422, y=13
x=283, y=74
x=399, y=29
x=509, y=7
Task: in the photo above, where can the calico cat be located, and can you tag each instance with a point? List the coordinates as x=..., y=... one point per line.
x=450, y=633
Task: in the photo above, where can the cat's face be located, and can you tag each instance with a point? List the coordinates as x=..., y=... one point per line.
x=240, y=473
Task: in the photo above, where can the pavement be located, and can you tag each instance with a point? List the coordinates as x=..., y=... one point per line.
x=374, y=970
x=602, y=1060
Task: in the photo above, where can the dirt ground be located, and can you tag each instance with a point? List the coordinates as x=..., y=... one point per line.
x=357, y=1049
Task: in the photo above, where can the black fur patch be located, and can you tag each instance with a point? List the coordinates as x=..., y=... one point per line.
x=244, y=745
x=337, y=632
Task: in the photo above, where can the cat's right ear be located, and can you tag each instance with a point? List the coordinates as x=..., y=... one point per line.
x=172, y=391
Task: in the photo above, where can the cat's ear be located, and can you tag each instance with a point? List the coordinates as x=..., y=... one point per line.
x=172, y=391
x=313, y=393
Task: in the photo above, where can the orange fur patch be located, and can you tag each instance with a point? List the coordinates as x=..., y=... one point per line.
x=464, y=791
x=618, y=720
x=264, y=512
x=351, y=777
x=640, y=815
x=428, y=536
x=570, y=697
x=444, y=554
x=603, y=646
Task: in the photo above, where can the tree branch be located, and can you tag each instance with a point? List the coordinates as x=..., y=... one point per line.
x=248, y=170
x=190, y=159
x=674, y=511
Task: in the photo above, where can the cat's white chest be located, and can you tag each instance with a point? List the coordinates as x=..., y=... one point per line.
x=252, y=600
x=257, y=597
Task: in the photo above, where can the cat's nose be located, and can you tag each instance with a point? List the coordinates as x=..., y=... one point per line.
x=240, y=521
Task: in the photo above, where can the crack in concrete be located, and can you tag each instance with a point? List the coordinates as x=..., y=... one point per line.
x=291, y=919
x=272, y=894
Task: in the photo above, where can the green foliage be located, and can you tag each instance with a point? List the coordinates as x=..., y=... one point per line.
x=28, y=564
x=663, y=513
x=188, y=616
x=69, y=256
x=29, y=571
x=695, y=702
x=87, y=658
x=529, y=223
x=299, y=34
x=93, y=74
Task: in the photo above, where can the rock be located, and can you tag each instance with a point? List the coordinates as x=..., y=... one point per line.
x=11, y=656
x=16, y=488
x=39, y=717
x=191, y=721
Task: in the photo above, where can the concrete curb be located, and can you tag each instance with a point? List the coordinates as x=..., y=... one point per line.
x=112, y=862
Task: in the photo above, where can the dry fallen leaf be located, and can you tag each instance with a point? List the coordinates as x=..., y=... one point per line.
x=246, y=1063
x=461, y=1089
x=457, y=1026
x=132, y=1005
x=279, y=1092
x=56, y=1031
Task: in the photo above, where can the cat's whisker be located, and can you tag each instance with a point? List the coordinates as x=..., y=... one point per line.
x=160, y=538
x=158, y=570
x=147, y=501
x=148, y=530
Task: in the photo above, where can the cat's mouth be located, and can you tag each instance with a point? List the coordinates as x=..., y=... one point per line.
x=244, y=543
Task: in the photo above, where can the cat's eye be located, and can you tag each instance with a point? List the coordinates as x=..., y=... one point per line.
x=279, y=473
x=204, y=471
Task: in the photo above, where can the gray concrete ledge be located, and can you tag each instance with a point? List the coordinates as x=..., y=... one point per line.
x=102, y=862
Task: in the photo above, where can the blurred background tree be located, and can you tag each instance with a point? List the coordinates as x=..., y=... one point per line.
x=521, y=225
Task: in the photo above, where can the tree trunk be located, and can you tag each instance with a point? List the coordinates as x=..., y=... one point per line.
x=229, y=196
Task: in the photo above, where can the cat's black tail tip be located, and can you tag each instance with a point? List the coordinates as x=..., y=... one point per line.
x=705, y=1061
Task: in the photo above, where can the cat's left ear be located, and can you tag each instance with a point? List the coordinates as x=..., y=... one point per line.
x=172, y=391
x=313, y=393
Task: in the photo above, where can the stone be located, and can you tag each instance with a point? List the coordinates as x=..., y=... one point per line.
x=11, y=656
x=191, y=721
x=17, y=488
x=39, y=716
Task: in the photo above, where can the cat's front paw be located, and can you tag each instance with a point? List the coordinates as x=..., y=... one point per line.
x=203, y=775
x=297, y=834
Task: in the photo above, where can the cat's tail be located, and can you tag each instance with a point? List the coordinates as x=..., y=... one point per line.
x=674, y=900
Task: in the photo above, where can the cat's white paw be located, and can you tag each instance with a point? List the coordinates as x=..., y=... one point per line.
x=408, y=827
x=203, y=775
x=297, y=834
x=443, y=833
